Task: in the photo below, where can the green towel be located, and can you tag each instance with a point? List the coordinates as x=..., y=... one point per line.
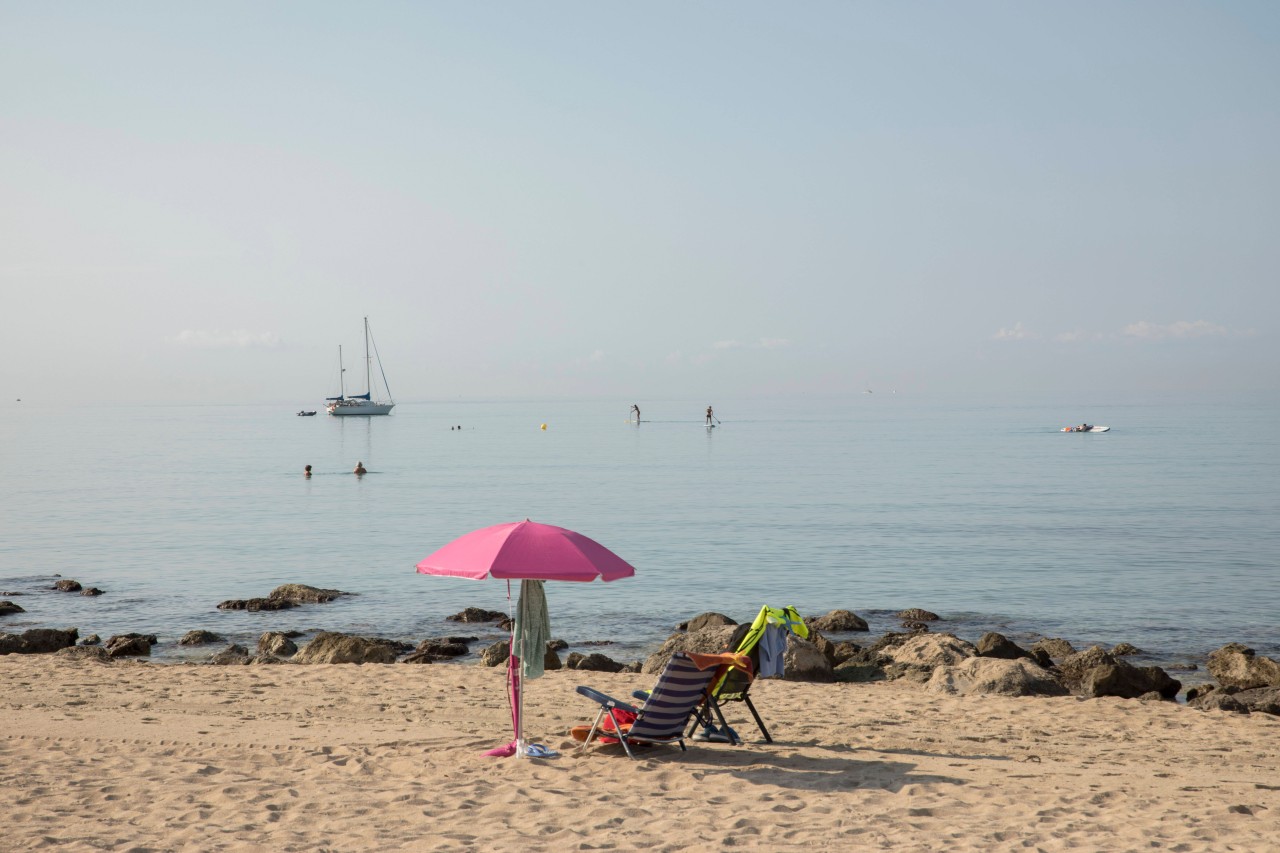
x=532, y=629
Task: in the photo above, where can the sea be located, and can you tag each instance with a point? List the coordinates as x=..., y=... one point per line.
x=1163, y=532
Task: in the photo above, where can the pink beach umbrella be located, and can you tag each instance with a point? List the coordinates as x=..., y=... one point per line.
x=525, y=551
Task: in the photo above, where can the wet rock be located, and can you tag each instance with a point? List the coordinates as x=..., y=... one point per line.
x=37, y=641
x=255, y=604
x=91, y=591
x=1126, y=650
x=476, y=614
x=993, y=645
x=557, y=645
x=1056, y=648
x=445, y=647
x=1237, y=665
x=706, y=620
x=1129, y=682
x=334, y=647
x=1096, y=672
x=67, y=585
x=299, y=593
x=838, y=622
x=259, y=660
x=551, y=660
x=7, y=607
x=1200, y=690
x=983, y=676
x=915, y=614
x=594, y=662
x=130, y=645
x=199, y=638
x=232, y=655
x=91, y=640
x=277, y=645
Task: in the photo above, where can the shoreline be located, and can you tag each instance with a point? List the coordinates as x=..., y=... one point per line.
x=367, y=757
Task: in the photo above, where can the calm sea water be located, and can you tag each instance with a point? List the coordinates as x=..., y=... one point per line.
x=1164, y=532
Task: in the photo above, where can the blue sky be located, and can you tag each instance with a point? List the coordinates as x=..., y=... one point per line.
x=634, y=201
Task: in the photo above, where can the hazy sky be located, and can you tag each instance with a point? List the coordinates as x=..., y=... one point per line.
x=637, y=200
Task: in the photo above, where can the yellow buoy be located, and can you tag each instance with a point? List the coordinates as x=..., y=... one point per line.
x=544, y=426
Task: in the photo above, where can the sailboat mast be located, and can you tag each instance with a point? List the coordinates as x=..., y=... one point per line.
x=368, y=365
x=342, y=384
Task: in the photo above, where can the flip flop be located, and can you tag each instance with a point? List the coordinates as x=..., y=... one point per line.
x=538, y=750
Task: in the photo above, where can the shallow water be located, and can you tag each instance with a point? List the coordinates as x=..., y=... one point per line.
x=1164, y=532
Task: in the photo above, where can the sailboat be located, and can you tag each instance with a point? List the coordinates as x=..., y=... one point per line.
x=361, y=404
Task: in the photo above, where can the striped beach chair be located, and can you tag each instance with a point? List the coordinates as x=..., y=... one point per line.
x=681, y=689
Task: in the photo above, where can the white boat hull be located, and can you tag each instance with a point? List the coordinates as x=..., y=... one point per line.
x=359, y=407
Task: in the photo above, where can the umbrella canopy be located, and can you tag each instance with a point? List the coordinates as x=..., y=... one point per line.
x=531, y=553
x=526, y=550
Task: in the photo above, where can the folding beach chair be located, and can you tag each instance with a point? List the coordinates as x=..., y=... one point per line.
x=734, y=685
x=681, y=689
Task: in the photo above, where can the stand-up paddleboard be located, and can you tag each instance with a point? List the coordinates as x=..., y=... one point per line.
x=1090, y=429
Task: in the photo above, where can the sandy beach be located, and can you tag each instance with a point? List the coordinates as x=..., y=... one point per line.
x=138, y=756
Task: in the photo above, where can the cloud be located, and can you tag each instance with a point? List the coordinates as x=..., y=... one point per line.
x=1076, y=336
x=1180, y=330
x=774, y=343
x=596, y=357
x=726, y=345
x=217, y=339
x=1017, y=333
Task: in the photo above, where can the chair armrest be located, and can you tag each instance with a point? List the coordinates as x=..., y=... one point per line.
x=606, y=700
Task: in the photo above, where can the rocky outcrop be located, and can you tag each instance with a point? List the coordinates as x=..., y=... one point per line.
x=91, y=640
x=838, y=622
x=1056, y=648
x=38, y=641
x=1126, y=650
x=232, y=655
x=477, y=614
x=7, y=607
x=276, y=644
x=495, y=654
x=802, y=661
x=67, y=585
x=333, y=647
x=130, y=645
x=254, y=605
x=91, y=591
x=705, y=641
x=706, y=620
x=199, y=638
x=443, y=648
x=932, y=650
x=993, y=645
x=1237, y=665
x=995, y=676
x=594, y=662
x=93, y=653
x=299, y=593
x=1096, y=672
x=915, y=614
